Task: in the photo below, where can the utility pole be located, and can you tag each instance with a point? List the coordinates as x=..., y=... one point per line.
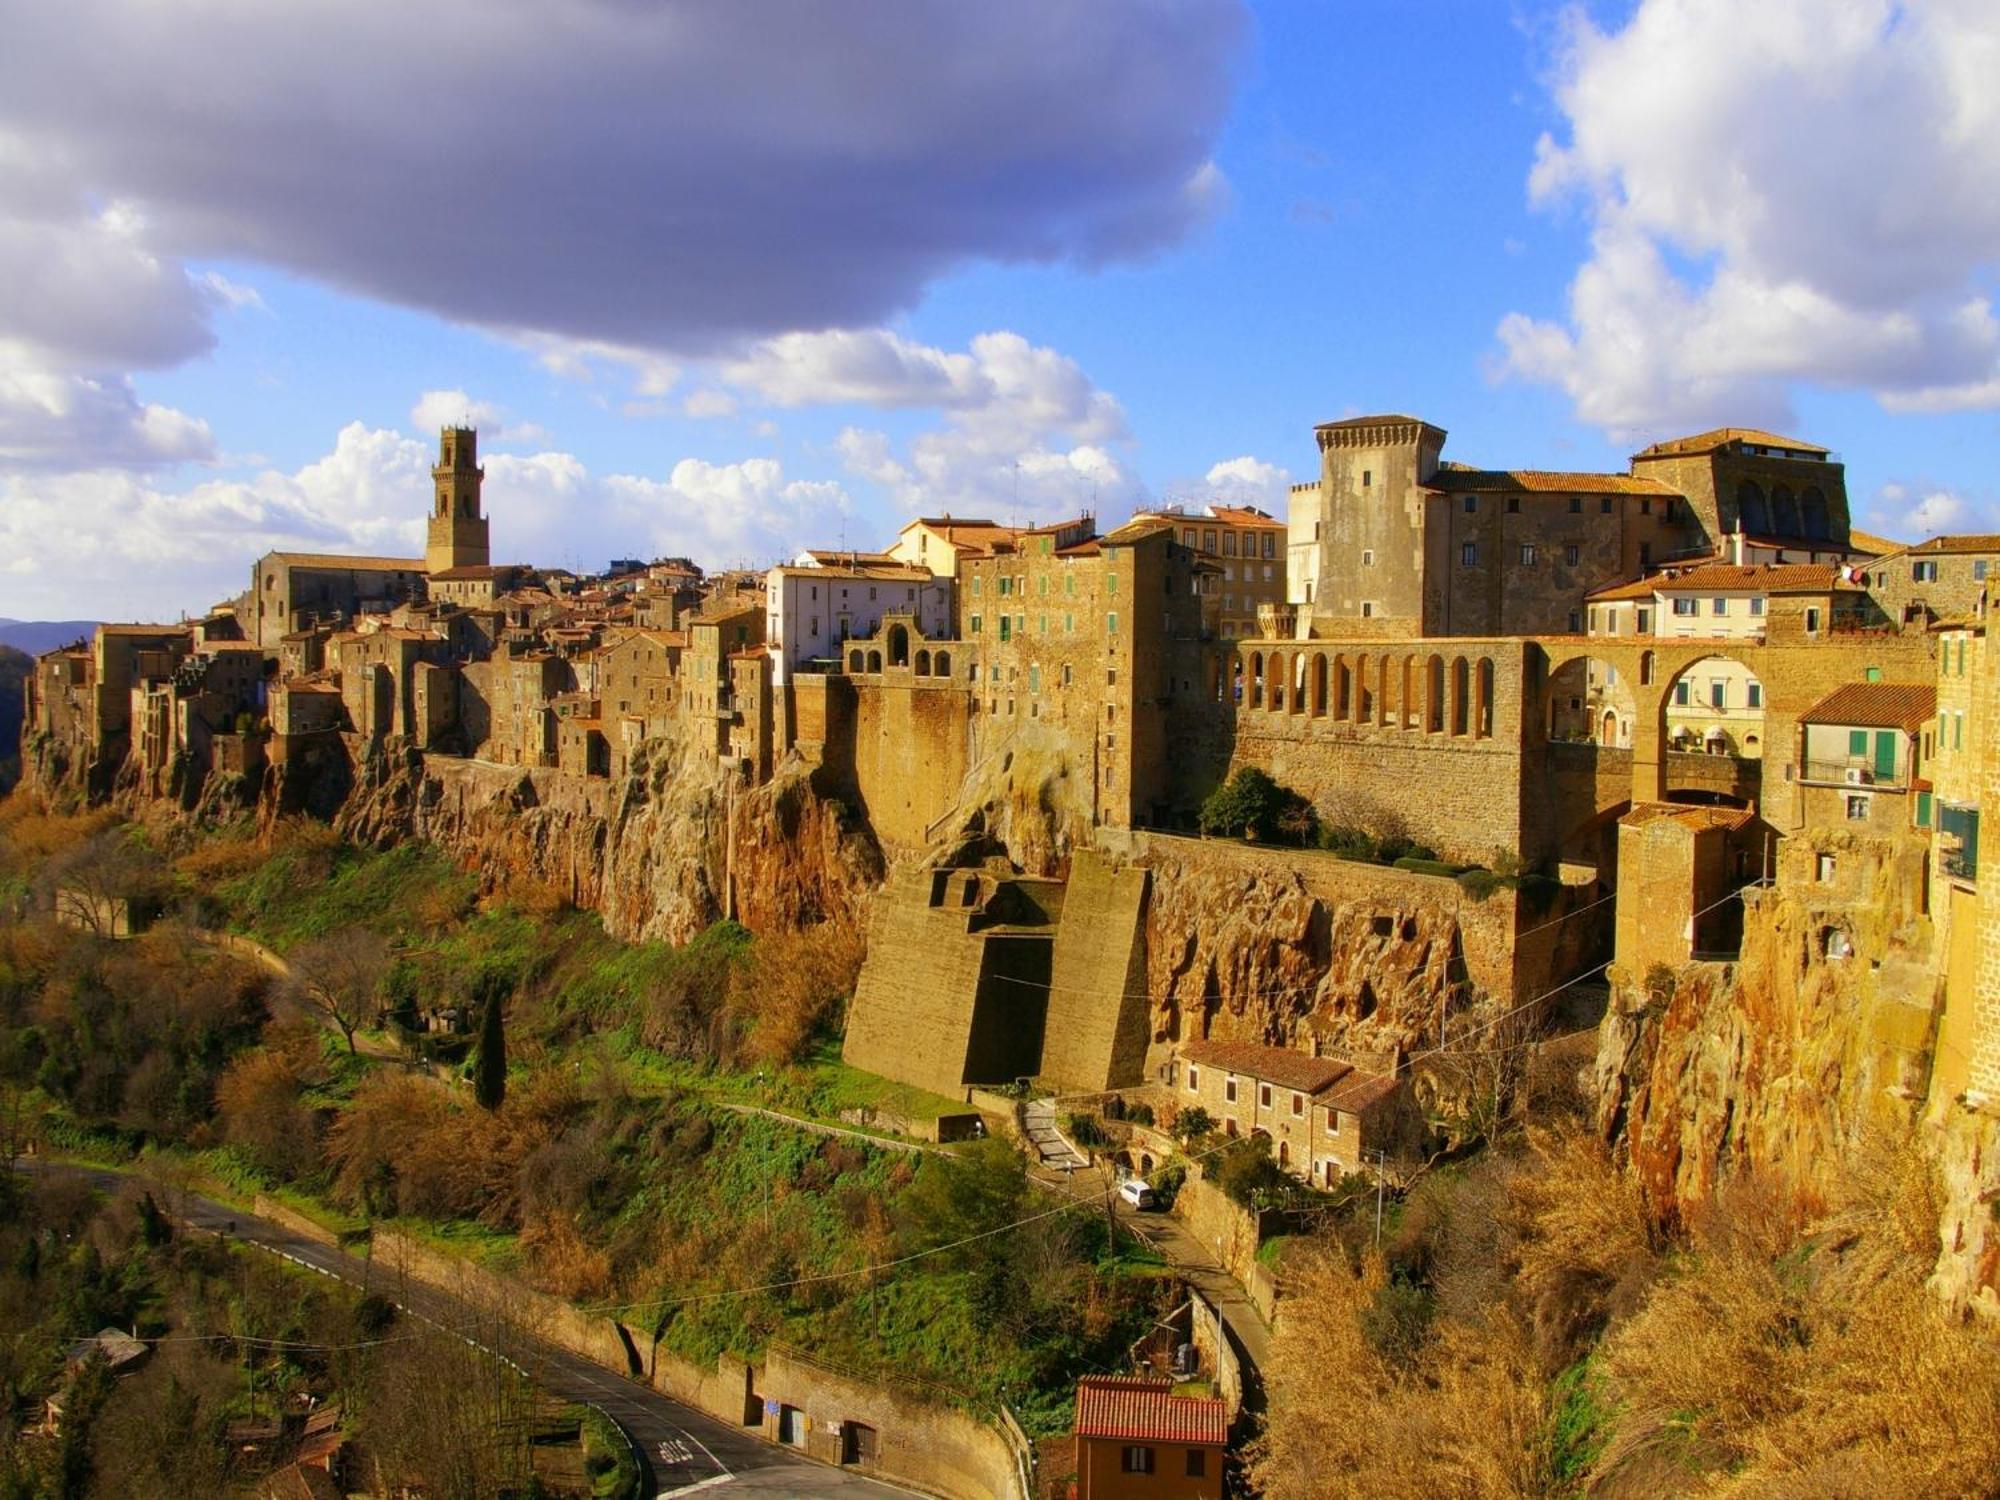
x=1381, y=1163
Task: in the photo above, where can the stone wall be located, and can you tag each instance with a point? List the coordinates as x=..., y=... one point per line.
x=1096, y=1031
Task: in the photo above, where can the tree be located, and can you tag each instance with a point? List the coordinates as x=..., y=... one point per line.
x=96, y=885
x=1251, y=805
x=1192, y=1124
x=489, y=1080
x=339, y=978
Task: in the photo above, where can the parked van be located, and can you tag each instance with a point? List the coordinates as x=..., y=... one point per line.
x=1137, y=1192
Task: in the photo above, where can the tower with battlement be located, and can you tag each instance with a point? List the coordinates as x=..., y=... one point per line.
x=458, y=535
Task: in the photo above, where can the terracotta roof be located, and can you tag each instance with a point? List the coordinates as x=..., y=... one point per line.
x=1866, y=541
x=142, y=629
x=1081, y=549
x=1720, y=437
x=1968, y=543
x=1280, y=1065
x=845, y=557
x=1755, y=578
x=1241, y=515
x=1544, y=481
x=1689, y=815
x=1136, y=530
x=1876, y=705
x=1358, y=1092
x=1136, y=1409
x=1641, y=588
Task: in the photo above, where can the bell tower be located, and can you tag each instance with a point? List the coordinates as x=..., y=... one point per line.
x=458, y=536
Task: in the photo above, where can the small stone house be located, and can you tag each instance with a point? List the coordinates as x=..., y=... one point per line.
x=1861, y=764
x=1325, y=1116
x=1136, y=1439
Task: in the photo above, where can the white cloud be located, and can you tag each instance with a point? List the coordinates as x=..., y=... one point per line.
x=456, y=408
x=1250, y=481
x=56, y=420
x=111, y=545
x=1915, y=511
x=708, y=403
x=1799, y=191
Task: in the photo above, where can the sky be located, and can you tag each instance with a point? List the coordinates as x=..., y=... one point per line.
x=732, y=280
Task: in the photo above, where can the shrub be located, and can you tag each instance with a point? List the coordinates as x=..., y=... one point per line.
x=1479, y=884
x=1192, y=1124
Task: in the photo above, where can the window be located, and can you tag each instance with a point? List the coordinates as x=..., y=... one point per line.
x=1006, y=627
x=1823, y=869
x=1718, y=693
x=1110, y=583
x=978, y=624
x=1468, y=555
x=1263, y=1096
x=1472, y=505
x=1136, y=1459
x=1753, y=695
x=1718, y=606
x=1228, y=544
x=1197, y=1463
x=1229, y=1090
x=1367, y=557
x=1513, y=505
x=1575, y=623
x=1857, y=808
x=1208, y=541
x=1645, y=553
x=1979, y=568
x=1645, y=507
x=1527, y=554
x=1604, y=506
x=1812, y=622
x=1367, y=478
x=975, y=587
x=1270, y=544
x=1187, y=536
x=1572, y=554
x=1367, y=609
x=1645, y=620
x=1111, y=623
x=1681, y=694
x=1298, y=1104
x=1576, y=505
x=1685, y=607
x=1756, y=606
x=1923, y=572
x=1194, y=1078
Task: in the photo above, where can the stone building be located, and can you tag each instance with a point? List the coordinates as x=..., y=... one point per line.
x=812, y=611
x=1325, y=1117
x=1941, y=579
x=457, y=535
x=1861, y=763
x=293, y=591
x=1249, y=550
x=940, y=543
x=1137, y=1440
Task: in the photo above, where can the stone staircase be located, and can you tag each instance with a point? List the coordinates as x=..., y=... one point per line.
x=1045, y=1137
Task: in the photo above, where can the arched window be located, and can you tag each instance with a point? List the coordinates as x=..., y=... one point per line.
x=1256, y=679
x=1752, y=515
x=1406, y=701
x=899, y=646
x=1343, y=688
x=1646, y=669
x=854, y=661
x=941, y=664
x=1236, y=680
x=874, y=661
x=1784, y=511
x=1299, y=683
x=1813, y=511
x=923, y=664
x=1274, y=672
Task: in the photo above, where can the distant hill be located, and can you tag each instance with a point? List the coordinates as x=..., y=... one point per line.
x=37, y=636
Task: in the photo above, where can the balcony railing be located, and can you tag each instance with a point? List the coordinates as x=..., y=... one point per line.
x=1851, y=773
x=1959, y=864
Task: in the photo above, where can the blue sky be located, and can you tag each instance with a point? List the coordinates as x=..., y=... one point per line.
x=941, y=266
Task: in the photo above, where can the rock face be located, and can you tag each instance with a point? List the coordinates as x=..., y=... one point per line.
x=1785, y=1059
x=1289, y=949
x=677, y=845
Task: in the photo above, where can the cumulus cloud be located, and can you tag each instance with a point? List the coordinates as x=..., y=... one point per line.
x=1795, y=191
x=1249, y=481
x=697, y=174
x=456, y=408
x=1914, y=511
x=1027, y=434
x=55, y=420
x=112, y=544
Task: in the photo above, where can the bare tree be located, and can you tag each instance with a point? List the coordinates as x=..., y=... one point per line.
x=339, y=978
x=96, y=885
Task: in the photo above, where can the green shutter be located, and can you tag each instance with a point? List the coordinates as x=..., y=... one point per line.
x=1923, y=809
x=1857, y=742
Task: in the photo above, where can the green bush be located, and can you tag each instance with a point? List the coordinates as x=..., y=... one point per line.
x=1479, y=884
x=1420, y=865
x=1251, y=805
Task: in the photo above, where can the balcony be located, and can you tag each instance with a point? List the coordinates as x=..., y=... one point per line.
x=1851, y=773
x=1958, y=846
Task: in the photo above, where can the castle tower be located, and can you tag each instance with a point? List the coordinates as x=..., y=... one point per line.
x=458, y=531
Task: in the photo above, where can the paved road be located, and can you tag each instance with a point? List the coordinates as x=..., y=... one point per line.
x=684, y=1449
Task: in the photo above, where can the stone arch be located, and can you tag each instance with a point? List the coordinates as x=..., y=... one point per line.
x=1712, y=734
x=941, y=664
x=1461, y=696
x=1274, y=681
x=1299, y=682
x=1382, y=689
x=1648, y=668
x=1256, y=679
x=854, y=661
x=1784, y=511
x=1589, y=699
x=1753, y=515
x=1406, y=685
x=874, y=661
x=1319, y=685
x=1434, y=695
x=923, y=663
x=1814, y=515
x=1343, y=687
x=899, y=646
x=1482, y=712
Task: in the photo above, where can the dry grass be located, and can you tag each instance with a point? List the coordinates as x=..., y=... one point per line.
x=791, y=987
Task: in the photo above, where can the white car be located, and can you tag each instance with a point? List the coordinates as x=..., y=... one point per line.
x=1137, y=1192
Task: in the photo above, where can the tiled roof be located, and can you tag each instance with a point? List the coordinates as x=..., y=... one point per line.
x=841, y=558
x=1136, y=1409
x=1866, y=541
x=1279, y=1065
x=342, y=560
x=476, y=572
x=1358, y=1092
x=1544, y=481
x=1137, y=530
x=1755, y=578
x=1612, y=593
x=1689, y=815
x=1968, y=543
x=1241, y=515
x=1720, y=437
x=1875, y=705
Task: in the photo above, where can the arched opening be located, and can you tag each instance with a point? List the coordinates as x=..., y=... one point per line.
x=1299, y=683
x=1588, y=700
x=1319, y=685
x=854, y=661
x=941, y=664
x=1482, y=715
x=1813, y=512
x=1274, y=684
x=1461, y=695
x=1406, y=705
x=1382, y=689
x=1752, y=514
x=1343, y=688
x=1713, y=733
x=874, y=661
x=923, y=663
x=1647, y=667
x=1236, y=680
x=1434, y=695
x=1256, y=680
x=899, y=646
x=1784, y=511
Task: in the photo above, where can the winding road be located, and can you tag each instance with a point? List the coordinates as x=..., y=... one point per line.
x=683, y=1450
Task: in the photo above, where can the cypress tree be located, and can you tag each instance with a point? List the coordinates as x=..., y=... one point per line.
x=489, y=1079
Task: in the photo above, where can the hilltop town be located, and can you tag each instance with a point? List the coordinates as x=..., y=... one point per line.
x=1680, y=740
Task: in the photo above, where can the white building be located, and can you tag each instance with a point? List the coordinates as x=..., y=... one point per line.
x=812, y=608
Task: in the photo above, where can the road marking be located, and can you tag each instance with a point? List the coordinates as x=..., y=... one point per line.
x=700, y=1484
